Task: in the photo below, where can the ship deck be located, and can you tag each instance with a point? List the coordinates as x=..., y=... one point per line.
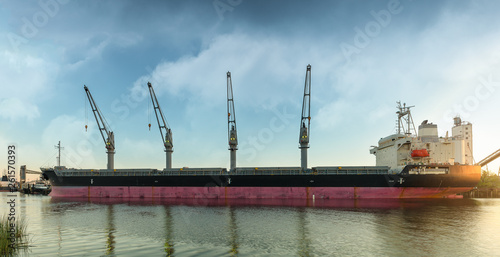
x=249, y=171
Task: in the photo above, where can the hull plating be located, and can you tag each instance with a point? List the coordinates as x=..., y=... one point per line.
x=257, y=192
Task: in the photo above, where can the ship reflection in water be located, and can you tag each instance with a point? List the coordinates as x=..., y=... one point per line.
x=110, y=242
x=200, y=227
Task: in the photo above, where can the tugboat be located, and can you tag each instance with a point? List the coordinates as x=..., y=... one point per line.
x=39, y=187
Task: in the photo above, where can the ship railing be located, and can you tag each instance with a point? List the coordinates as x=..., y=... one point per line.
x=423, y=170
x=193, y=172
x=268, y=171
x=91, y=172
x=351, y=170
x=327, y=170
x=145, y=172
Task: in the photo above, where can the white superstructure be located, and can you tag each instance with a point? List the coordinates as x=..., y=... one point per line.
x=427, y=147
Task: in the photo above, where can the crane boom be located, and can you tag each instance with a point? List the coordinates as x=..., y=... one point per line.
x=165, y=131
x=107, y=135
x=489, y=158
x=231, y=123
x=306, y=117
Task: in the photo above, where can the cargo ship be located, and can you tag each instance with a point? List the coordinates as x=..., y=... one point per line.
x=409, y=164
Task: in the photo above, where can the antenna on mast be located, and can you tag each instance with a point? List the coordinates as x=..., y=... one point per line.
x=58, y=146
x=405, y=119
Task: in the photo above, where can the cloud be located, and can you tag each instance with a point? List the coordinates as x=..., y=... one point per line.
x=140, y=153
x=94, y=48
x=332, y=115
x=264, y=70
x=81, y=147
x=24, y=74
x=25, y=81
x=14, y=108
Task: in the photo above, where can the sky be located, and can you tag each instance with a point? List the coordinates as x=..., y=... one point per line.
x=440, y=56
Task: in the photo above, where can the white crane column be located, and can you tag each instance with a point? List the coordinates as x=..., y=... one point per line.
x=165, y=131
x=231, y=123
x=306, y=118
x=107, y=135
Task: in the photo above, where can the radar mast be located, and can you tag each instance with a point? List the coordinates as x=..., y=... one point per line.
x=405, y=120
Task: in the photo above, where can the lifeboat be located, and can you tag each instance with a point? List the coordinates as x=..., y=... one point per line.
x=419, y=153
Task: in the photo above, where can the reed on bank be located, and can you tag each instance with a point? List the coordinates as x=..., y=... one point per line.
x=12, y=238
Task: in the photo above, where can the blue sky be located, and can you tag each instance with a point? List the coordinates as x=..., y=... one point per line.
x=441, y=56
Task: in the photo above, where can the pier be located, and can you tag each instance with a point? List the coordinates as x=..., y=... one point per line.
x=483, y=193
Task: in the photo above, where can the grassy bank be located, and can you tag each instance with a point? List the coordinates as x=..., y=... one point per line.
x=7, y=247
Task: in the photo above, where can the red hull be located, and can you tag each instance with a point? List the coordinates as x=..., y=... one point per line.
x=259, y=192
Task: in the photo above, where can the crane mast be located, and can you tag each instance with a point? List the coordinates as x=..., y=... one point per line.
x=165, y=131
x=306, y=117
x=231, y=123
x=107, y=135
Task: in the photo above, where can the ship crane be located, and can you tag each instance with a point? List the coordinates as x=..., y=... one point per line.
x=306, y=117
x=231, y=123
x=107, y=135
x=165, y=131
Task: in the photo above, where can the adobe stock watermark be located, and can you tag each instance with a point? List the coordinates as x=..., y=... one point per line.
x=483, y=91
x=11, y=203
x=223, y=6
x=130, y=101
x=372, y=29
x=32, y=25
x=256, y=143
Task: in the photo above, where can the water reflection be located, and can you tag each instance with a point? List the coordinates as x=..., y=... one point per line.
x=318, y=203
x=174, y=227
x=233, y=232
x=431, y=230
x=196, y=225
x=304, y=242
x=110, y=239
x=59, y=239
x=169, y=243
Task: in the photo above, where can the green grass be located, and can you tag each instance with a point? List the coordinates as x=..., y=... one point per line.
x=6, y=246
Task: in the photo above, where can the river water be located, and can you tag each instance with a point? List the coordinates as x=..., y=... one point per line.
x=151, y=227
